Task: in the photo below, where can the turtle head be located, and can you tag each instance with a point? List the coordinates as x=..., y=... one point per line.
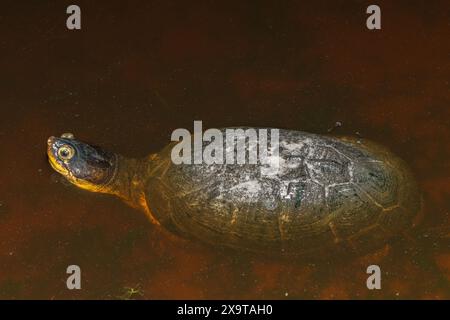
x=88, y=167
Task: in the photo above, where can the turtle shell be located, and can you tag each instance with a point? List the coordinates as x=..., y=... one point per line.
x=327, y=193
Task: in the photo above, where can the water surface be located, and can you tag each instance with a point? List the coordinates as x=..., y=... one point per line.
x=140, y=69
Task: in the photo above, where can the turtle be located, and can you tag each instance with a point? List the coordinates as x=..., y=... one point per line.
x=330, y=194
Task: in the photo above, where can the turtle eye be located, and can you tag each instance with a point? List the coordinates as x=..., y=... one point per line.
x=66, y=152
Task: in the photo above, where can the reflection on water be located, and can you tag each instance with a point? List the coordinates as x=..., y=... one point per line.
x=133, y=74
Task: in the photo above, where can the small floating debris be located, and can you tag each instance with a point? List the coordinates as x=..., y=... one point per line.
x=337, y=124
x=130, y=292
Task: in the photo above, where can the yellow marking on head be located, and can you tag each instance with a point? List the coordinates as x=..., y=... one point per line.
x=78, y=182
x=88, y=185
x=57, y=166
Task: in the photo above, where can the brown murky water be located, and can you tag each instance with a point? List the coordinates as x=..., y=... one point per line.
x=140, y=69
